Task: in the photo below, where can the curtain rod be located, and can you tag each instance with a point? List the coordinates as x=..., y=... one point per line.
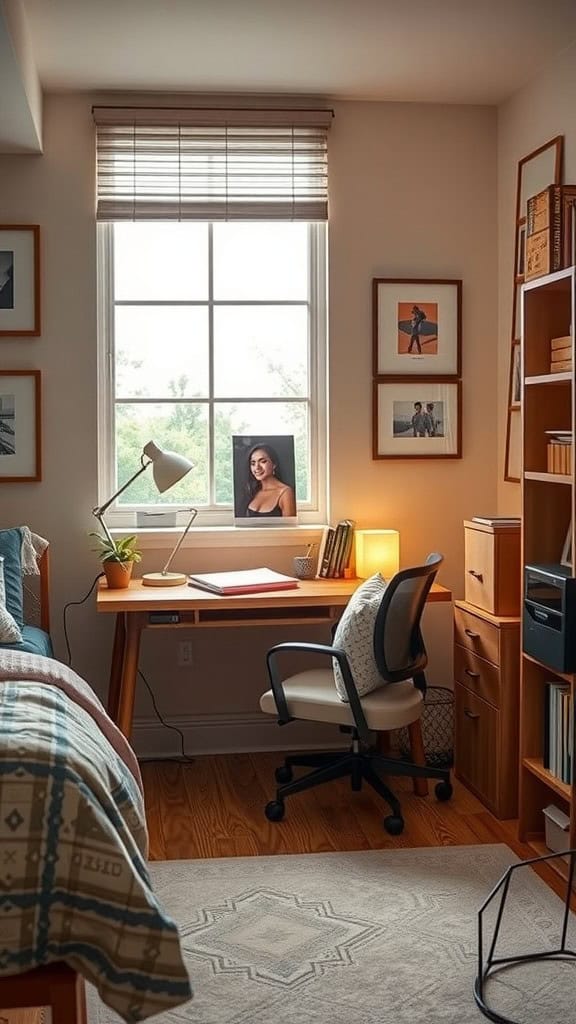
x=227, y=106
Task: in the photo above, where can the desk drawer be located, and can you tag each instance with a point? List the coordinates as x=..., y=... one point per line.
x=476, y=739
x=478, y=635
x=477, y=675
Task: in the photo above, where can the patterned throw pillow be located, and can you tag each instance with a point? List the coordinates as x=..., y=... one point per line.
x=355, y=635
x=9, y=629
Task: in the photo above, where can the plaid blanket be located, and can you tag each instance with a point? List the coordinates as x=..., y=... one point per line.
x=74, y=884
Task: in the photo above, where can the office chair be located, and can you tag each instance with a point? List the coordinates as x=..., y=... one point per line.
x=400, y=655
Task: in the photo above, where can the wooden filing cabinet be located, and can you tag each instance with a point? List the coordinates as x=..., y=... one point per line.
x=486, y=693
x=492, y=568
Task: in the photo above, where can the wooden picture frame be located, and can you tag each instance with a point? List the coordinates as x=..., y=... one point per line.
x=20, y=426
x=19, y=280
x=541, y=167
x=416, y=327
x=417, y=418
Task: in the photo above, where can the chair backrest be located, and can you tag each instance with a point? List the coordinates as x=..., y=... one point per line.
x=398, y=644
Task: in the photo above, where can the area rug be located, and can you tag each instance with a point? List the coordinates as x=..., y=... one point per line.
x=374, y=937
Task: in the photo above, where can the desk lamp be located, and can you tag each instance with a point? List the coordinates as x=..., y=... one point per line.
x=377, y=551
x=167, y=469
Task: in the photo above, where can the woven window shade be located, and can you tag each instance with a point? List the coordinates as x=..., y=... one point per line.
x=211, y=165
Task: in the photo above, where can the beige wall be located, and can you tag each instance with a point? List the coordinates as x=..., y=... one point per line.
x=413, y=194
x=537, y=113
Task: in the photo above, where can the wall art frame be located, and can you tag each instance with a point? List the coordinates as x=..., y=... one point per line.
x=416, y=327
x=20, y=426
x=417, y=418
x=19, y=280
x=541, y=167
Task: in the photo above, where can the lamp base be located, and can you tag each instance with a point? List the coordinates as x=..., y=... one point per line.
x=164, y=579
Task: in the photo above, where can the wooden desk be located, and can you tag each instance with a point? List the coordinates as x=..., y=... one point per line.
x=138, y=608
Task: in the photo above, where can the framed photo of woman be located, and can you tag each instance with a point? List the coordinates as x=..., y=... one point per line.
x=264, y=480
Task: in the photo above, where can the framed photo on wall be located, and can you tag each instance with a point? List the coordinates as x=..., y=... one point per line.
x=416, y=327
x=20, y=431
x=264, y=480
x=418, y=418
x=19, y=280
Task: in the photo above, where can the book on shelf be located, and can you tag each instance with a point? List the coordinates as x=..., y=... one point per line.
x=497, y=520
x=549, y=230
x=559, y=344
x=242, y=581
x=335, y=549
x=558, y=737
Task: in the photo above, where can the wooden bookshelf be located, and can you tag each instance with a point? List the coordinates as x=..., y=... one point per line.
x=549, y=311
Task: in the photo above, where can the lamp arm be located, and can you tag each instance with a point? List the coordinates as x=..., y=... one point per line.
x=194, y=512
x=101, y=509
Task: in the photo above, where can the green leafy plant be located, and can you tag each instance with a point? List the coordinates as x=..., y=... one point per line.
x=122, y=550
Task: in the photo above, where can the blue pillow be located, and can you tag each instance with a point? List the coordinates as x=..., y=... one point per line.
x=34, y=641
x=11, y=547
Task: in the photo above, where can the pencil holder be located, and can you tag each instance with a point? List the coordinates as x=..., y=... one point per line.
x=304, y=567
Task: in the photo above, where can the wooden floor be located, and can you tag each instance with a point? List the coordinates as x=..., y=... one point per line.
x=214, y=807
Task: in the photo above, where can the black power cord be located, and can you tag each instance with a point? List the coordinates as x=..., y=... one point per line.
x=185, y=757
x=66, y=607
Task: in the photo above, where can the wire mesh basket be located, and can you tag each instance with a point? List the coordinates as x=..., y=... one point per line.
x=437, y=728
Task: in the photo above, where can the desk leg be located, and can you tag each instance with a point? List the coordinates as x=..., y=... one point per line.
x=117, y=666
x=134, y=625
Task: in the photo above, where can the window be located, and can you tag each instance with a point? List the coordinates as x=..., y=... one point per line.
x=210, y=330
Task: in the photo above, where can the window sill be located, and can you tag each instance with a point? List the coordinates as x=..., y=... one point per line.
x=151, y=538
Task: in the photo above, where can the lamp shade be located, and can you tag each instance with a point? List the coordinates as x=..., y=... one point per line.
x=377, y=551
x=167, y=467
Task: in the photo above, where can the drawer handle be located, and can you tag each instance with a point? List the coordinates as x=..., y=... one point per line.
x=470, y=714
x=471, y=634
x=477, y=575
x=473, y=675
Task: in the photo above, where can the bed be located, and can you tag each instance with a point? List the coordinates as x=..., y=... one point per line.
x=75, y=894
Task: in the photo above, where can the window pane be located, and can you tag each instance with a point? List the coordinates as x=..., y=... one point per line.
x=260, y=261
x=261, y=351
x=179, y=428
x=160, y=262
x=260, y=418
x=161, y=351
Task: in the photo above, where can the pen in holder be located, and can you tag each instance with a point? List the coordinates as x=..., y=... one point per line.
x=305, y=565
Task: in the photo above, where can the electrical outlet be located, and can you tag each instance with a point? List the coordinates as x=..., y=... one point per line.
x=185, y=653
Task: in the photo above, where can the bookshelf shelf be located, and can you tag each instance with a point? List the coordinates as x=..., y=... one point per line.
x=549, y=311
x=536, y=766
x=550, y=478
x=549, y=378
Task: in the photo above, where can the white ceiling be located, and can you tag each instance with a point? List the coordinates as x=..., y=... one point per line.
x=454, y=51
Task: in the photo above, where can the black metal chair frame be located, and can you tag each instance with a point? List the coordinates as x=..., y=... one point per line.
x=489, y=967
x=363, y=762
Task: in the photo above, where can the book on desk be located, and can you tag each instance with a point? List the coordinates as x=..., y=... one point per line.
x=242, y=581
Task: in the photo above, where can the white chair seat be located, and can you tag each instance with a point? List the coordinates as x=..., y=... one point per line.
x=312, y=695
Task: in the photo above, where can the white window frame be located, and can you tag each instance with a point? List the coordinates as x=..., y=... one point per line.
x=311, y=513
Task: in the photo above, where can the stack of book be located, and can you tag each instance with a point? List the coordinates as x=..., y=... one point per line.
x=550, y=230
x=335, y=549
x=561, y=354
x=558, y=730
x=559, y=452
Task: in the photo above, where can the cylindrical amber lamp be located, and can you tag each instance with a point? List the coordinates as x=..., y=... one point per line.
x=377, y=551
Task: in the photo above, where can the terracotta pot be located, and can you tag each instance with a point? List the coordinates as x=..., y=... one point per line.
x=118, y=574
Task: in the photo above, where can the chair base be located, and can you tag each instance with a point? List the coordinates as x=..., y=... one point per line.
x=360, y=765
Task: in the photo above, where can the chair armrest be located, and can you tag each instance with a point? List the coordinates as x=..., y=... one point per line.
x=331, y=652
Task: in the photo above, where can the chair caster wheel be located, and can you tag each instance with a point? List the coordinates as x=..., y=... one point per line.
x=274, y=810
x=443, y=791
x=283, y=774
x=394, y=825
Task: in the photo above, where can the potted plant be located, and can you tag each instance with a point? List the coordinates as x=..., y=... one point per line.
x=117, y=557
